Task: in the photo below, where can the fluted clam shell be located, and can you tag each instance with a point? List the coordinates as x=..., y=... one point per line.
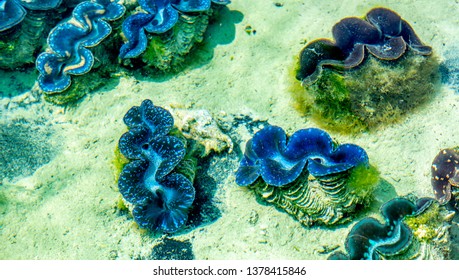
x=29, y=37
x=188, y=31
x=313, y=200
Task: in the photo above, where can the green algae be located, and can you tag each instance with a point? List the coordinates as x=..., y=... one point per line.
x=363, y=180
x=118, y=163
x=425, y=225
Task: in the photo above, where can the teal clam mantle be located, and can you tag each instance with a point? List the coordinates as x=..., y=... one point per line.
x=69, y=42
x=371, y=240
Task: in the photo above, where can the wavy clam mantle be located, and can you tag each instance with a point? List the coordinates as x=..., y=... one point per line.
x=69, y=42
x=383, y=33
x=370, y=239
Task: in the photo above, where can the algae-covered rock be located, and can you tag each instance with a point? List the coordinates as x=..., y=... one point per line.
x=431, y=234
x=378, y=92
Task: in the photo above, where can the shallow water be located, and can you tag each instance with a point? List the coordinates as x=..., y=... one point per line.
x=58, y=192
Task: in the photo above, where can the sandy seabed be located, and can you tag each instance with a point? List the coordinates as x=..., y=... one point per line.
x=67, y=208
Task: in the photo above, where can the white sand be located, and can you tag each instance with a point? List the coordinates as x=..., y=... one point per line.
x=67, y=209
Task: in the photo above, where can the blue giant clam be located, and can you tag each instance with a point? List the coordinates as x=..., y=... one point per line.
x=161, y=196
x=383, y=33
x=371, y=240
x=160, y=16
x=12, y=12
x=69, y=41
x=23, y=29
x=308, y=175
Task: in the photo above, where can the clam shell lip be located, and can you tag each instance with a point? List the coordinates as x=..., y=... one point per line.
x=11, y=14
x=69, y=40
x=191, y=5
x=370, y=239
x=131, y=142
x=40, y=4
x=164, y=22
x=221, y=2
x=396, y=209
x=161, y=197
x=445, y=174
x=50, y=78
x=383, y=33
x=279, y=162
x=161, y=16
x=317, y=54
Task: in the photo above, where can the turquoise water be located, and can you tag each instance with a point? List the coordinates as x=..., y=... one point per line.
x=59, y=196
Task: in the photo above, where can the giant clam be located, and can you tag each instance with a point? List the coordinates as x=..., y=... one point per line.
x=161, y=196
x=383, y=33
x=23, y=29
x=445, y=175
x=309, y=176
x=159, y=17
x=374, y=71
x=69, y=42
x=162, y=42
x=412, y=229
